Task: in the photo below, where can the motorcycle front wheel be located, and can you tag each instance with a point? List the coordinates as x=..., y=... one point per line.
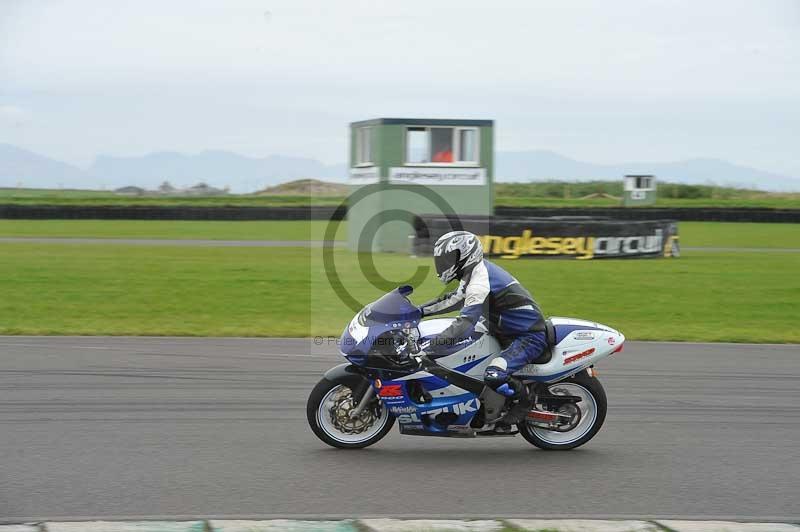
x=592, y=414
x=328, y=411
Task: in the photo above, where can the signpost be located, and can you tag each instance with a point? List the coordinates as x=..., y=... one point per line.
x=639, y=190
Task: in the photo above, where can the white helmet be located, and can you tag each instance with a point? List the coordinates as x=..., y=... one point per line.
x=455, y=253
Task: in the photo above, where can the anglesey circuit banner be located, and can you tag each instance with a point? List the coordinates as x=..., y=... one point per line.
x=437, y=176
x=576, y=237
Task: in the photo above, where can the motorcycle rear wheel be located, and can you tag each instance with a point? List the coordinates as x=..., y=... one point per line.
x=593, y=413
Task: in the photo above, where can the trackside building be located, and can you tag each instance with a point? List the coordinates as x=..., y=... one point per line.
x=403, y=167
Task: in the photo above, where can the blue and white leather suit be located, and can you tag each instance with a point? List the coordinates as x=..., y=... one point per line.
x=509, y=312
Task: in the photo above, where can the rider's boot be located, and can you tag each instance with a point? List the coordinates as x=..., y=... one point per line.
x=515, y=391
x=521, y=397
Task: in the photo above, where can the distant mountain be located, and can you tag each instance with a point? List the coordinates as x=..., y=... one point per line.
x=539, y=165
x=248, y=174
x=306, y=187
x=18, y=166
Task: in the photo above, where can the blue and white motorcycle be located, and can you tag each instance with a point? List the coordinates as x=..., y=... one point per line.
x=389, y=378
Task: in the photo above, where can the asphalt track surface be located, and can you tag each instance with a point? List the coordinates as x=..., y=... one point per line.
x=169, y=427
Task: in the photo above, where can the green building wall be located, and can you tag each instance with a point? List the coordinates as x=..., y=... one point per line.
x=392, y=208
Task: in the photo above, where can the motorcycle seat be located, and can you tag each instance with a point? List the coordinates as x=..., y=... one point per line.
x=550, y=333
x=550, y=336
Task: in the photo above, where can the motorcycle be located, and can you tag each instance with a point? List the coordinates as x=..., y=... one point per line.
x=388, y=378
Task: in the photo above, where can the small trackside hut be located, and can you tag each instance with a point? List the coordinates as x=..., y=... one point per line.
x=412, y=166
x=639, y=190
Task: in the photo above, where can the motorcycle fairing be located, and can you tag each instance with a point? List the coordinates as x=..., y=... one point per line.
x=390, y=312
x=573, y=337
x=445, y=399
x=579, y=344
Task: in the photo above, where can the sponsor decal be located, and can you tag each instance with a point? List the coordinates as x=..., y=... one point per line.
x=671, y=247
x=408, y=418
x=408, y=414
x=459, y=408
x=581, y=247
x=611, y=340
x=437, y=176
x=391, y=391
x=403, y=409
x=574, y=358
x=583, y=335
x=365, y=175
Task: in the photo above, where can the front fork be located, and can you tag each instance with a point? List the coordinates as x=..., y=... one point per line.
x=362, y=404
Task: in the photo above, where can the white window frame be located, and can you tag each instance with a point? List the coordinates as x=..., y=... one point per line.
x=456, y=146
x=632, y=183
x=364, y=159
x=647, y=183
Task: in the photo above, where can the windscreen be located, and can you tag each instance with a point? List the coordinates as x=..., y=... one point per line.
x=393, y=307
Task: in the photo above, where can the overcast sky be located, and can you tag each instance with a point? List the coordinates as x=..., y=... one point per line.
x=598, y=81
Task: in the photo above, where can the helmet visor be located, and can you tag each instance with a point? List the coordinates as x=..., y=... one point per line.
x=446, y=266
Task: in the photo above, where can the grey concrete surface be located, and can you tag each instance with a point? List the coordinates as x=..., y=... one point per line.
x=185, y=428
x=726, y=526
x=584, y=525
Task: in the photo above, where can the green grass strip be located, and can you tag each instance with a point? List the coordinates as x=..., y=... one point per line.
x=144, y=290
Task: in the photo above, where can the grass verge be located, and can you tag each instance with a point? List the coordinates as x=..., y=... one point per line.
x=142, y=290
x=168, y=229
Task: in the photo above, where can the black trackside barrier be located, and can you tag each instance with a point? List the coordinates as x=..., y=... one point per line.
x=136, y=212
x=684, y=214
x=556, y=237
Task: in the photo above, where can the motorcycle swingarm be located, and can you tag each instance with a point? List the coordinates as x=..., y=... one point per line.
x=551, y=400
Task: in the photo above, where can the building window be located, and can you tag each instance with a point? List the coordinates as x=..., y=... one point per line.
x=364, y=155
x=468, y=145
x=417, y=145
x=441, y=145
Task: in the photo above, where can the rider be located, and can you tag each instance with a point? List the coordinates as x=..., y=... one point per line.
x=488, y=293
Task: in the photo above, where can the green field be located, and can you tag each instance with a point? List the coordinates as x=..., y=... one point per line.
x=571, y=194
x=533, y=194
x=739, y=235
x=171, y=229
x=692, y=234
x=88, y=197
x=143, y=290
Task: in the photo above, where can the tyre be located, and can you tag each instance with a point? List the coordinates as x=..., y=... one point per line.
x=592, y=408
x=328, y=412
